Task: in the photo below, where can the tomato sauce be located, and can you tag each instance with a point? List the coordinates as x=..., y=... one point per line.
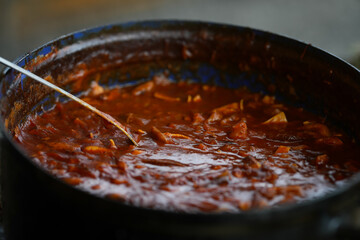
x=201, y=148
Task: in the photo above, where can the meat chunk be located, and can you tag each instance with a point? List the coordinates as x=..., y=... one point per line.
x=239, y=131
x=197, y=118
x=215, y=116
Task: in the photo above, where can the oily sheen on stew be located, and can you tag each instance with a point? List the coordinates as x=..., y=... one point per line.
x=201, y=148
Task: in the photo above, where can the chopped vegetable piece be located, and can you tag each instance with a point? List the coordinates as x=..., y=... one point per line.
x=119, y=181
x=96, y=150
x=143, y=88
x=115, y=196
x=141, y=131
x=241, y=105
x=166, y=98
x=159, y=135
x=163, y=162
x=283, y=149
x=228, y=108
x=268, y=99
x=62, y=146
x=201, y=146
x=79, y=122
x=197, y=98
x=96, y=187
x=96, y=89
x=122, y=165
x=189, y=99
x=112, y=143
x=73, y=181
x=278, y=118
x=176, y=135
x=137, y=152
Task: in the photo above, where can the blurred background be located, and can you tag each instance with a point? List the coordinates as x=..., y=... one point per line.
x=332, y=25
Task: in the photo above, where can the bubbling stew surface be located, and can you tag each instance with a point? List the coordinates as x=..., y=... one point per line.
x=201, y=148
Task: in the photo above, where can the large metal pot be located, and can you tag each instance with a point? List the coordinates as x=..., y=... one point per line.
x=37, y=205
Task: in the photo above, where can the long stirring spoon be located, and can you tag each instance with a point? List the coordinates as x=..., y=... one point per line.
x=56, y=88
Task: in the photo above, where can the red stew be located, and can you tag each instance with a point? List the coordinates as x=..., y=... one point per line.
x=201, y=148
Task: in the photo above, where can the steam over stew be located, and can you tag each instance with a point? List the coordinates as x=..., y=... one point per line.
x=201, y=148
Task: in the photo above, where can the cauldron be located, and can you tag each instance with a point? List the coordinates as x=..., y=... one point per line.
x=37, y=205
